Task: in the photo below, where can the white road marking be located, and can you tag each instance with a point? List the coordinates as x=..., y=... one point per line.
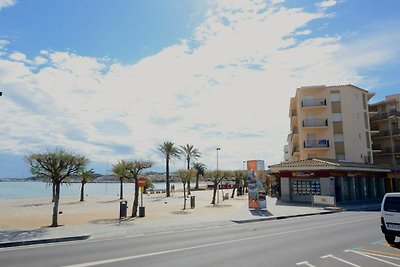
x=383, y=256
x=211, y=244
x=305, y=263
x=369, y=256
x=339, y=259
x=155, y=234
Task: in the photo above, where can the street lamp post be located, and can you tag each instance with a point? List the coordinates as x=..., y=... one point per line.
x=243, y=164
x=218, y=149
x=392, y=146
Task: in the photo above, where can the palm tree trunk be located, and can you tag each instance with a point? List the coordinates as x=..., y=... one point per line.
x=121, y=190
x=197, y=182
x=214, y=193
x=136, y=198
x=188, y=183
x=54, y=192
x=234, y=188
x=167, y=183
x=184, y=196
x=55, y=207
x=82, y=191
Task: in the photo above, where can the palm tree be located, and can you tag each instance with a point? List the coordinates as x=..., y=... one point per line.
x=190, y=153
x=200, y=170
x=170, y=151
x=216, y=177
x=86, y=176
x=185, y=176
x=121, y=170
x=239, y=176
x=56, y=167
x=135, y=168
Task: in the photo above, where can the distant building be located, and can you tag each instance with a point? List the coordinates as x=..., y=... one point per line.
x=385, y=133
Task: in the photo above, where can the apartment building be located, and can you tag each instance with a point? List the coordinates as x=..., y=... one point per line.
x=330, y=147
x=330, y=122
x=385, y=134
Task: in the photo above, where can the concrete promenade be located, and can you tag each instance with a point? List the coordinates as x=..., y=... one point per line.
x=162, y=215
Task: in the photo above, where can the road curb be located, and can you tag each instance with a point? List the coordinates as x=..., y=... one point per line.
x=284, y=217
x=43, y=241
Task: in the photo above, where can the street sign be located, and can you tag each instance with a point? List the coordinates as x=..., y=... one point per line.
x=142, y=182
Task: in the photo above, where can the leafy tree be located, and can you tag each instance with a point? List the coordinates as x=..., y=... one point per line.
x=86, y=176
x=121, y=170
x=200, y=170
x=185, y=176
x=149, y=185
x=56, y=166
x=169, y=151
x=190, y=153
x=239, y=176
x=135, y=168
x=216, y=177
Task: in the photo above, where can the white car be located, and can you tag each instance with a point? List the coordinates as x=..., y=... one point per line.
x=390, y=216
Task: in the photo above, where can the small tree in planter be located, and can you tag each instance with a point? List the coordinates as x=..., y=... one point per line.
x=186, y=176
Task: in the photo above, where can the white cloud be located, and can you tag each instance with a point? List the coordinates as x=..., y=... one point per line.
x=326, y=4
x=7, y=3
x=18, y=56
x=231, y=89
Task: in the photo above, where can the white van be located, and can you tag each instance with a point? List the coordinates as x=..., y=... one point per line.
x=390, y=216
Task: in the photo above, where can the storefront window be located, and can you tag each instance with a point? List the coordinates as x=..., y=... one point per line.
x=306, y=187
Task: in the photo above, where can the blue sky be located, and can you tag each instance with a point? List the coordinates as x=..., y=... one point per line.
x=113, y=80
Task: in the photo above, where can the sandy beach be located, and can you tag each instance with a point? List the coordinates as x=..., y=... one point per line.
x=36, y=213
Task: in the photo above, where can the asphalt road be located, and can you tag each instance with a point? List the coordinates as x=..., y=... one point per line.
x=343, y=239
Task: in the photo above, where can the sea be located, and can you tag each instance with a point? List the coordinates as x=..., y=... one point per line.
x=18, y=190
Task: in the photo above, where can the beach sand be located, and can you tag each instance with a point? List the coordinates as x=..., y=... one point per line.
x=36, y=213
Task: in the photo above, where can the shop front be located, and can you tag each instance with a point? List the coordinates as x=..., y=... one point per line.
x=349, y=182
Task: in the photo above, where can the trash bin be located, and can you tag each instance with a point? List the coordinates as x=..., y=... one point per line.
x=141, y=212
x=192, y=202
x=123, y=206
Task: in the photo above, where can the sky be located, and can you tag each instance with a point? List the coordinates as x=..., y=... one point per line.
x=113, y=80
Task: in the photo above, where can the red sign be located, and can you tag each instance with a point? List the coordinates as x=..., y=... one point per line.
x=142, y=182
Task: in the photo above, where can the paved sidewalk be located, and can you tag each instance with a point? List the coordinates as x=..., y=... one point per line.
x=112, y=228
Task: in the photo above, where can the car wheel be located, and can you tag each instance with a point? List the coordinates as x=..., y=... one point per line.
x=390, y=238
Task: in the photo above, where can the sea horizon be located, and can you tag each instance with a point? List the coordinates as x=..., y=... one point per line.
x=40, y=189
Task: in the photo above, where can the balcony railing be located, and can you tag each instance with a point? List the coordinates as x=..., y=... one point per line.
x=294, y=112
x=388, y=150
x=295, y=130
x=395, y=131
x=322, y=143
x=315, y=123
x=314, y=102
x=385, y=115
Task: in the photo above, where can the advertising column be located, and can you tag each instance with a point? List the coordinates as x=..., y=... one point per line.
x=257, y=184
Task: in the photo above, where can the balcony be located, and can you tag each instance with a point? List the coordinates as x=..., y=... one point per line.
x=315, y=123
x=321, y=143
x=386, y=133
x=293, y=113
x=384, y=115
x=314, y=102
x=387, y=150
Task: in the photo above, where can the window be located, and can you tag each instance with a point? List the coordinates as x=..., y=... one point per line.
x=336, y=116
x=335, y=97
x=392, y=204
x=306, y=187
x=339, y=137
